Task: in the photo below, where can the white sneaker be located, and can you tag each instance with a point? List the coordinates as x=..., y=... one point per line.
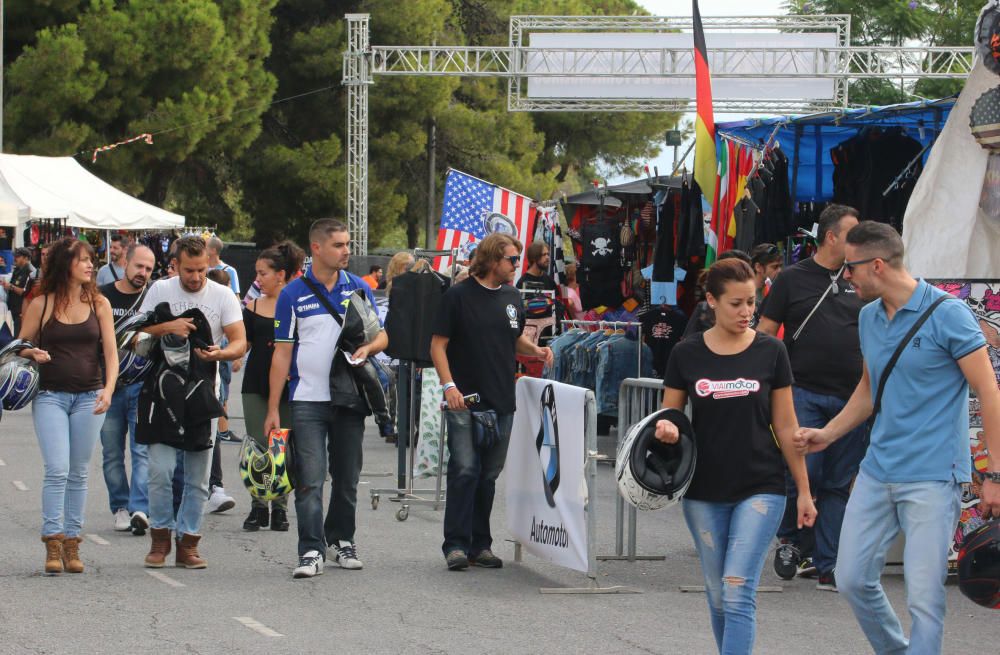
x=219, y=501
x=346, y=554
x=123, y=522
x=310, y=564
x=140, y=523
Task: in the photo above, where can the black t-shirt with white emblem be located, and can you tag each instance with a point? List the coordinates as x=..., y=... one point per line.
x=123, y=305
x=482, y=326
x=738, y=454
x=826, y=358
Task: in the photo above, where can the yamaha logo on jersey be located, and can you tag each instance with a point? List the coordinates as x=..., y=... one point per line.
x=720, y=389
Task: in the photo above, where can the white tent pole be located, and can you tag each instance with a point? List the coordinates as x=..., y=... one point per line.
x=107, y=246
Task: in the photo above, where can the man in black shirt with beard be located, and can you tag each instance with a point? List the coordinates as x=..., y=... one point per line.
x=476, y=339
x=129, y=502
x=820, y=313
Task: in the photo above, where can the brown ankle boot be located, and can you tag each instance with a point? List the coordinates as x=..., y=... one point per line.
x=159, y=548
x=53, y=553
x=187, y=552
x=71, y=555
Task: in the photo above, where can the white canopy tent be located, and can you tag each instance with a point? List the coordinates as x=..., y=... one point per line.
x=34, y=187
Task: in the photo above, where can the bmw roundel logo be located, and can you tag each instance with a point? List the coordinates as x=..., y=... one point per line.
x=497, y=223
x=511, y=312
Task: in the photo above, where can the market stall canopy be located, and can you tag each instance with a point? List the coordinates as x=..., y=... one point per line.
x=807, y=140
x=629, y=191
x=59, y=187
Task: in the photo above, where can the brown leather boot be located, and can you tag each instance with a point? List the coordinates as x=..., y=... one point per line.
x=187, y=552
x=53, y=553
x=159, y=548
x=71, y=555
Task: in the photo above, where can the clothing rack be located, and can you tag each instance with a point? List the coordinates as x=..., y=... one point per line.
x=572, y=322
x=906, y=171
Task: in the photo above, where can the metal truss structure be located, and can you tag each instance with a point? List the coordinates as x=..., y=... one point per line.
x=518, y=62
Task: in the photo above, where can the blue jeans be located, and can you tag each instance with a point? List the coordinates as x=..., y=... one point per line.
x=926, y=512
x=67, y=430
x=732, y=540
x=162, y=463
x=325, y=438
x=831, y=472
x=119, y=429
x=472, y=478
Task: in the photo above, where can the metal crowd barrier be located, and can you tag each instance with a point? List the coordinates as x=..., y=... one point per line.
x=637, y=399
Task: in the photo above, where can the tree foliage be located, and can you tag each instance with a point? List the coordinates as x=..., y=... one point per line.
x=900, y=23
x=201, y=75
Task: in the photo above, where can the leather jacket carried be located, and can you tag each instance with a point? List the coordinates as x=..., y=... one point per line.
x=178, y=399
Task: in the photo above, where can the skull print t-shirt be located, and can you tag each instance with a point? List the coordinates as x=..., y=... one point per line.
x=482, y=326
x=738, y=454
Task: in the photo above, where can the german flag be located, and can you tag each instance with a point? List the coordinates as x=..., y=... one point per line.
x=704, y=126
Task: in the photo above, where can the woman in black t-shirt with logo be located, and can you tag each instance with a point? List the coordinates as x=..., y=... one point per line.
x=739, y=383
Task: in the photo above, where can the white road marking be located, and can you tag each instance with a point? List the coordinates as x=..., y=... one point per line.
x=99, y=540
x=166, y=579
x=257, y=626
x=20, y=486
x=3, y=463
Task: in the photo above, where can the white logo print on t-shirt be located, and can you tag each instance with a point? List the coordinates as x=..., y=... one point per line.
x=720, y=389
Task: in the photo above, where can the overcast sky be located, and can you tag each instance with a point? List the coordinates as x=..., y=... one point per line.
x=708, y=8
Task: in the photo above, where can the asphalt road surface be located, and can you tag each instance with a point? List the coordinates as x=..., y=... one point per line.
x=403, y=601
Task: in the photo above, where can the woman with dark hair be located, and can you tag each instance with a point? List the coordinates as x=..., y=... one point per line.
x=739, y=383
x=276, y=267
x=73, y=327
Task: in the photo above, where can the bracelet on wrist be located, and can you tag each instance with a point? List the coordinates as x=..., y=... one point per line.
x=447, y=385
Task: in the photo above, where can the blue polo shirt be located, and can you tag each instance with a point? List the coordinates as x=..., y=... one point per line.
x=922, y=431
x=301, y=319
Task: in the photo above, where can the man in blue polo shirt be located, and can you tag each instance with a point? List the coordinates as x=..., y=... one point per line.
x=328, y=428
x=911, y=477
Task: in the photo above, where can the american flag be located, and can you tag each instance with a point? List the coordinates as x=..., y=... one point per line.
x=468, y=201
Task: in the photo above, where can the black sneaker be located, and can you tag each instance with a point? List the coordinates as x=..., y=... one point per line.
x=807, y=569
x=279, y=520
x=827, y=582
x=786, y=559
x=457, y=561
x=486, y=559
x=310, y=565
x=228, y=435
x=257, y=519
x=139, y=523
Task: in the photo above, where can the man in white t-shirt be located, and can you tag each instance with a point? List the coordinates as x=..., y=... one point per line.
x=190, y=289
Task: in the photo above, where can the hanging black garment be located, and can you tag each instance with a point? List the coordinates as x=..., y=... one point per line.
x=663, y=256
x=694, y=225
x=601, y=245
x=413, y=306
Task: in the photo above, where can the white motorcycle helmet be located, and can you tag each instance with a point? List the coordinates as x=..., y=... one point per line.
x=652, y=474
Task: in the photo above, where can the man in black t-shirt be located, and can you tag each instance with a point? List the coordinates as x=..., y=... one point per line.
x=129, y=502
x=476, y=338
x=17, y=287
x=536, y=276
x=825, y=353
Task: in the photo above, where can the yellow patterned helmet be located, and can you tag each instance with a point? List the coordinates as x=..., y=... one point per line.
x=266, y=472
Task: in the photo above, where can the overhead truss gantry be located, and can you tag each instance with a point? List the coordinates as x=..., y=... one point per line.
x=518, y=63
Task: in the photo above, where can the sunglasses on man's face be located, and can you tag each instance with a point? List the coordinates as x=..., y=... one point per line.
x=849, y=266
x=513, y=259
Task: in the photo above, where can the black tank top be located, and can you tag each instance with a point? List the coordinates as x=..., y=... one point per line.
x=75, y=352
x=260, y=337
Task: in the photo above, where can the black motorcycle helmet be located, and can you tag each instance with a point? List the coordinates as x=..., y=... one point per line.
x=979, y=565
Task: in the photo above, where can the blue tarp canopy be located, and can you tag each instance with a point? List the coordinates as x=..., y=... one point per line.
x=810, y=138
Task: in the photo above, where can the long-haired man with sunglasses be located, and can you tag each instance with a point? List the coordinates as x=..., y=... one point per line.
x=820, y=313
x=476, y=338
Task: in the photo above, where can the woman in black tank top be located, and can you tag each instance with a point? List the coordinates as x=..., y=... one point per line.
x=72, y=325
x=276, y=266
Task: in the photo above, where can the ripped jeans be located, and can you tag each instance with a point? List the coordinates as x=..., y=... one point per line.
x=732, y=540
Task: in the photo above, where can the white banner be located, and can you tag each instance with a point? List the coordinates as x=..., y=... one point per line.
x=546, y=487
